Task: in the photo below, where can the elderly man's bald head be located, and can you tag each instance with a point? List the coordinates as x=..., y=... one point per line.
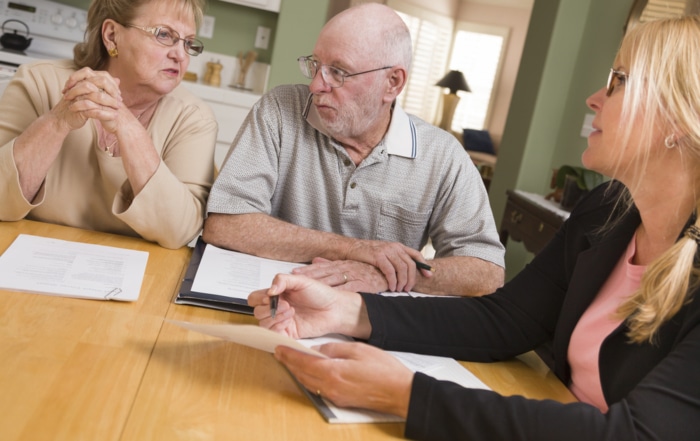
x=373, y=31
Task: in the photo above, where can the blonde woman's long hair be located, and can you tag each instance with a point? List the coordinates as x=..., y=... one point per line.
x=663, y=90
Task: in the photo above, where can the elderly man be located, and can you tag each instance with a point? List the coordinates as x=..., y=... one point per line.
x=337, y=174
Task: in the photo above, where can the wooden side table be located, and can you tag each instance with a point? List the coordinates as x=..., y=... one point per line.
x=530, y=218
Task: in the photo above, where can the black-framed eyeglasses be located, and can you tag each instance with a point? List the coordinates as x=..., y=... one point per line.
x=169, y=37
x=332, y=76
x=616, y=77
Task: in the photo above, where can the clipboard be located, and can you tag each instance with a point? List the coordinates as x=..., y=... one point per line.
x=186, y=296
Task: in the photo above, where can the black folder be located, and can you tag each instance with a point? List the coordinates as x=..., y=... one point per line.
x=188, y=297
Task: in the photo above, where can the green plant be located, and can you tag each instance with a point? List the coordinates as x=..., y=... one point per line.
x=585, y=179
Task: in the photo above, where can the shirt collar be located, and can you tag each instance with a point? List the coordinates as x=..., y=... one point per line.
x=400, y=139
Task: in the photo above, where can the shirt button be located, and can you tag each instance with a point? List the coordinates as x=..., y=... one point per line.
x=353, y=185
x=347, y=162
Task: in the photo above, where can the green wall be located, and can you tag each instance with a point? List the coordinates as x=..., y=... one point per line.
x=569, y=49
x=235, y=27
x=298, y=26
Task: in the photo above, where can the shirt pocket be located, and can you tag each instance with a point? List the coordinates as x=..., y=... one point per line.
x=397, y=224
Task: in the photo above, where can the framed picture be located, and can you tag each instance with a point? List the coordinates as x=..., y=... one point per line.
x=647, y=10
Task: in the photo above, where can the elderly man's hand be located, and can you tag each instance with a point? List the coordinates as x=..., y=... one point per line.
x=349, y=275
x=396, y=261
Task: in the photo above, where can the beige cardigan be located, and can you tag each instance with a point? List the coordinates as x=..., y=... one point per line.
x=87, y=188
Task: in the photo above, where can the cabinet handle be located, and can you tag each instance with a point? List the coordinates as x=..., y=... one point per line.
x=516, y=216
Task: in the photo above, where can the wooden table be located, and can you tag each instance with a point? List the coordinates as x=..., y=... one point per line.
x=531, y=219
x=75, y=369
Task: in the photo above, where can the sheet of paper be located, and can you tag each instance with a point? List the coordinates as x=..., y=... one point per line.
x=248, y=335
x=58, y=267
x=233, y=274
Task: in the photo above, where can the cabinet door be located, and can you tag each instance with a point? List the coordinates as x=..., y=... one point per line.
x=268, y=5
x=230, y=117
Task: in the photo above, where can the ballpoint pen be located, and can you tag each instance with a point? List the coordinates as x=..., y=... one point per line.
x=425, y=266
x=274, y=300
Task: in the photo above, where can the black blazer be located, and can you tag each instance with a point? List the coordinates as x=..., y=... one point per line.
x=653, y=391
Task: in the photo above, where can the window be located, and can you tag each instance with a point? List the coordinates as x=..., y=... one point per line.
x=431, y=36
x=477, y=52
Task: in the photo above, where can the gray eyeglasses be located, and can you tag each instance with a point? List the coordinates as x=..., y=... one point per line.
x=169, y=37
x=615, y=76
x=332, y=76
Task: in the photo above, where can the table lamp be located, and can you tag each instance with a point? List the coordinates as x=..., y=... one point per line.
x=453, y=80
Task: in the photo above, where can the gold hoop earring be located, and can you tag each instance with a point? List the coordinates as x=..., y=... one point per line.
x=670, y=142
x=113, y=52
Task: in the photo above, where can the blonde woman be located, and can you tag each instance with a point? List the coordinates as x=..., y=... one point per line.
x=616, y=289
x=108, y=141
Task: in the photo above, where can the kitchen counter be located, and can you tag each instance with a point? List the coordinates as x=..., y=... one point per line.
x=223, y=94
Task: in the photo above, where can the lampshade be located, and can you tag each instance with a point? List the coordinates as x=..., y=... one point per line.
x=454, y=80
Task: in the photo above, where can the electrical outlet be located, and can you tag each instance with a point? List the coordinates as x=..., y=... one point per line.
x=207, y=28
x=262, y=38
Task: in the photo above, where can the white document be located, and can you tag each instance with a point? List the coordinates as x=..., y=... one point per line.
x=441, y=368
x=59, y=267
x=233, y=274
x=248, y=335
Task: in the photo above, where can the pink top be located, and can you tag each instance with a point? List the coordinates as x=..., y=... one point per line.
x=596, y=324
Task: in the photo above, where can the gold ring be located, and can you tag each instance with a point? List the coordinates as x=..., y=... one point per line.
x=345, y=278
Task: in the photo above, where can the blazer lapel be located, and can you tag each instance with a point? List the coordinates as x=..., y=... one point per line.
x=591, y=269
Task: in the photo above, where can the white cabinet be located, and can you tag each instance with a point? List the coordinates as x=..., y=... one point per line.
x=268, y=5
x=230, y=107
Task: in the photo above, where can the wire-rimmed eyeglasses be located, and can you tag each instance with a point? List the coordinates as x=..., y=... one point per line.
x=616, y=77
x=169, y=37
x=332, y=76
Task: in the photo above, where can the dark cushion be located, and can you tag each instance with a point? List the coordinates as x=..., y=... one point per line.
x=478, y=140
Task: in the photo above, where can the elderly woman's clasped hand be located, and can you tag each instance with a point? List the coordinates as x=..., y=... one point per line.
x=90, y=94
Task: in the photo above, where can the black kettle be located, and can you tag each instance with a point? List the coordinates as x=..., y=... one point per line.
x=15, y=41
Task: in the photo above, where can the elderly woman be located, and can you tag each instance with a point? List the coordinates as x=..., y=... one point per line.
x=108, y=141
x=616, y=289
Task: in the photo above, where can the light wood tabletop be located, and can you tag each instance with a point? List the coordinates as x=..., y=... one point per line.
x=75, y=369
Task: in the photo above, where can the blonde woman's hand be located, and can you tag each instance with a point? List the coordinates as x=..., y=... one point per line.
x=355, y=375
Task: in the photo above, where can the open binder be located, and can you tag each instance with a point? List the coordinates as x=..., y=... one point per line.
x=187, y=296
x=222, y=279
